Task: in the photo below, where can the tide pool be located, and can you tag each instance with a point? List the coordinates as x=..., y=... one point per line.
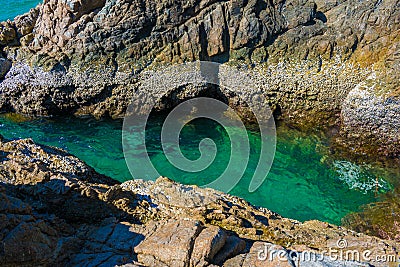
x=304, y=183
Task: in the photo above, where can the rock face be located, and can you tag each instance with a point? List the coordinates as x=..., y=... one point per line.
x=137, y=32
x=170, y=245
x=5, y=66
x=89, y=57
x=76, y=217
x=370, y=114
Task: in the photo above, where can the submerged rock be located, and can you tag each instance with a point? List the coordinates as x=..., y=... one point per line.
x=72, y=215
x=381, y=219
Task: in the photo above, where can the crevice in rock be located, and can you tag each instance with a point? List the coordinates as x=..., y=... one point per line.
x=192, y=242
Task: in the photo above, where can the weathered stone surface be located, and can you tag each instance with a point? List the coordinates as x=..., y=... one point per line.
x=24, y=237
x=260, y=255
x=170, y=245
x=207, y=245
x=111, y=243
x=232, y=247
x=91, y=55
x=5, y=66
x=376, y=118
x=165, y=191
x=7, y=34
x=29, y=163
x=78, y=217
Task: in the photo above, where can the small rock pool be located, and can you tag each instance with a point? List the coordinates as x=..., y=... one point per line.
x=305, y=181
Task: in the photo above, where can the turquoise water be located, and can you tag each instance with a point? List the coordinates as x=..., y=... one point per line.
x=303, y=183
x=12, y=8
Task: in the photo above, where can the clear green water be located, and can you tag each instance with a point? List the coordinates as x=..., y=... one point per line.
x=303, y=183
x=12, y=8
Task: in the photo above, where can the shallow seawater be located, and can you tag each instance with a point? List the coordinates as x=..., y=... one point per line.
x=12, y=8
x=303, y=182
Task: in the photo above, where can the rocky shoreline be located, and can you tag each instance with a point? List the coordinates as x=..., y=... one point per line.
x=56, y=210
x=314, y=65
x=333, y=64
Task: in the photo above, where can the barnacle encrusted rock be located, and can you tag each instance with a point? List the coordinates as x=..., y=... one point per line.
x=88, y=57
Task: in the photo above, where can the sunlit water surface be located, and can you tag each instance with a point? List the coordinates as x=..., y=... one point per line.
x=12, y=8
x=303, y=183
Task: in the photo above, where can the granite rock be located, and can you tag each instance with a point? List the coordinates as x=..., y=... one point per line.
x=87, y=57
x=141, y=223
